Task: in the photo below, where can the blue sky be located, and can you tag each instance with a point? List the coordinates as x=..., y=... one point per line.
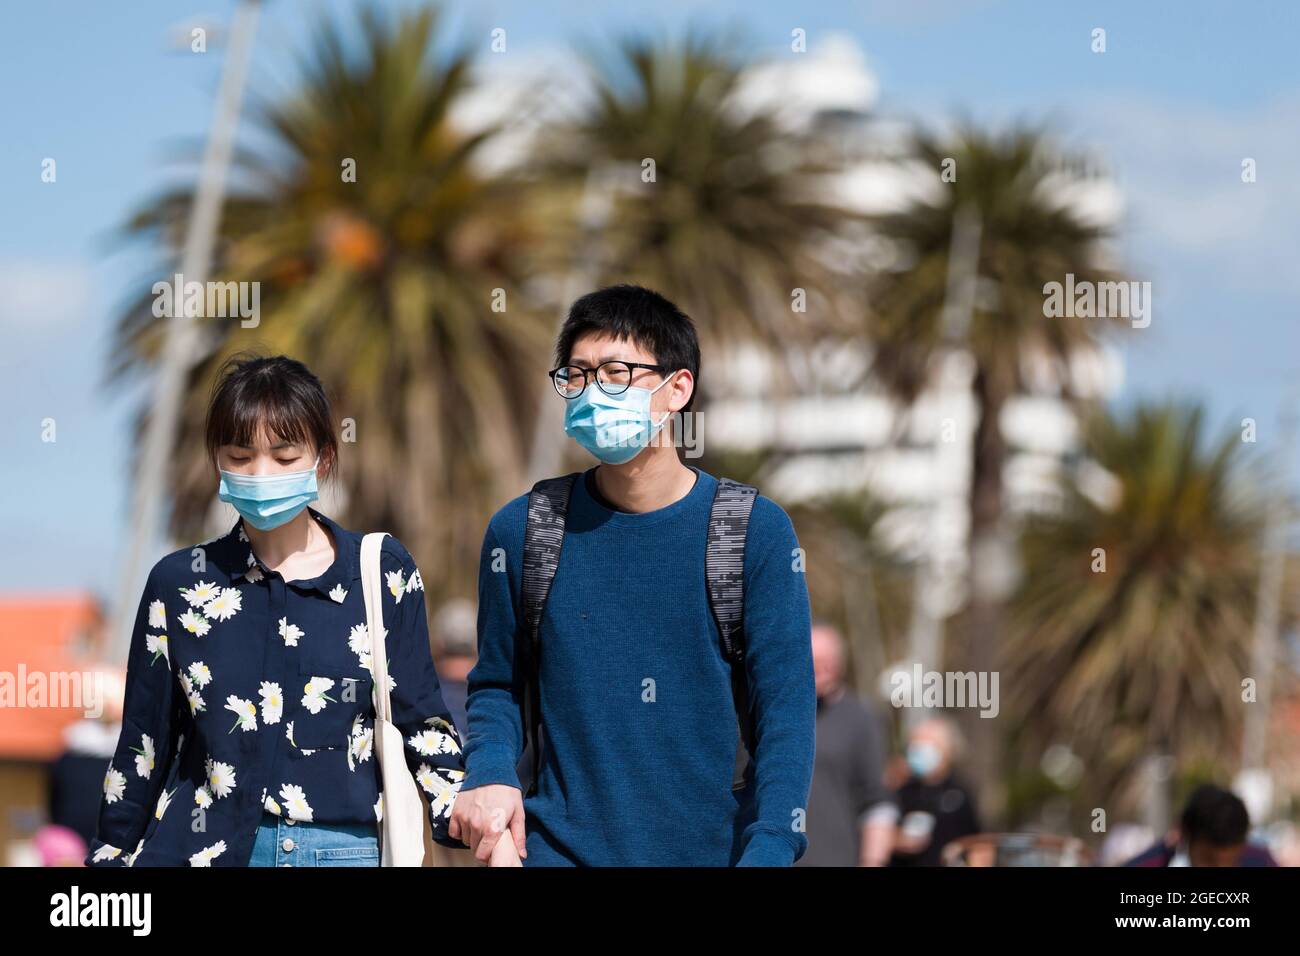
x=1183, y=93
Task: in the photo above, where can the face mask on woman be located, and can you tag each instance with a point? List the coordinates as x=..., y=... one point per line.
x=268, y=501
x=923, y=758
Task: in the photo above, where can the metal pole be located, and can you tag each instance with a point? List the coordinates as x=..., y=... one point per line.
x=181, y=332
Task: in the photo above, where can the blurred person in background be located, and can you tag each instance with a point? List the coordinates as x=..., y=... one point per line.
x=1212, y=832
x=59, y=846
x=935, y=807
x=851, y=813
x=76, y=776
x=455, y=649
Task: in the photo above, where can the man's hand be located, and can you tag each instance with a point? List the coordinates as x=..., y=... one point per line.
x=480, y=817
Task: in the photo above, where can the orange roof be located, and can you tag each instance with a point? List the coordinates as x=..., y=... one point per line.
x=46, y=637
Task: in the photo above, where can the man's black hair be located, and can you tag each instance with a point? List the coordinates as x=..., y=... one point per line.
x=1215, y=816
x=640, y=316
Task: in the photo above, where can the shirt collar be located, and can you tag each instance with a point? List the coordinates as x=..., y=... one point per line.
x=237, y=557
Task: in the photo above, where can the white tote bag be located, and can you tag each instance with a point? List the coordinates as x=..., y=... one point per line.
x=401, y=831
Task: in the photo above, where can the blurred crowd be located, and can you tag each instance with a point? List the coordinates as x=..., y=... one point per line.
x=871, y=804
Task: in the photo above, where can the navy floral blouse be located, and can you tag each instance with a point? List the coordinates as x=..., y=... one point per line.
x=245, y=692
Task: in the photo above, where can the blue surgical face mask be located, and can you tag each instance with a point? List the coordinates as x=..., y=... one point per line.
x=614, y=428
x=923, y=758
x=268, y=501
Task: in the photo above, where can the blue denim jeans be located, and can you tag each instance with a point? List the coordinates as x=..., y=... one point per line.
x=282, y=842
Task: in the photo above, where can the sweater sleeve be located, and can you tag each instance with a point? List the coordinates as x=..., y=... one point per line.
x=431, y=744
x=136, y=773
x=779, y=666
x=495, y=685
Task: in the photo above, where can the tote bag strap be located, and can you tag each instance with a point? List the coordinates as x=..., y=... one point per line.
x=372, y=588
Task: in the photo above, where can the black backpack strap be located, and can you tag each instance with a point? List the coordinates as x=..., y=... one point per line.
x=724, y=572
x=548, y=507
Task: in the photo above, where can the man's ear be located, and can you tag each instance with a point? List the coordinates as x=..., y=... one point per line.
x=684, y=378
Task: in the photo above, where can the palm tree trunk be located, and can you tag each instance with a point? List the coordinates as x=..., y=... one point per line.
x=986, y=610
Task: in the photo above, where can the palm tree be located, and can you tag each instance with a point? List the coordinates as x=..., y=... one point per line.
x=1145, y=654
x=1026, y=239
x=855, y=578
x=382, y=282
x=730, y=224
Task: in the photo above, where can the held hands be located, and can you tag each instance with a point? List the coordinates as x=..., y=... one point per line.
x=490, y=821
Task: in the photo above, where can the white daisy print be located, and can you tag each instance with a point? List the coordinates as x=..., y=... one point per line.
x=129, y=859
x=272, y=702
x=270, y=805
x=221, y=778
x=196, y=624
x=379, y=809
x=415, y=582
x=360, y=743
x=338, y=593
x=429, y=742
x=106, y=852
x=244, y=538
x=156, y=644
x=114, y=785
x=254, y=574
x=295, y=801
x=360, y=644
x=290, y=632
x=200, y=674
x=203, y=797
x=200, y=594
x=194, y=697
x=288, y=733
x=315, y=694
x=158, y=615
x=245, y=713
x=225, y=605
x=164, y=801
x=396, y=586
x=441, y=790
x=144, y=757
x=209, y=853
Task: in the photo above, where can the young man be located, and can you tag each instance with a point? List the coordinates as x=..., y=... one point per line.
x=638, y=712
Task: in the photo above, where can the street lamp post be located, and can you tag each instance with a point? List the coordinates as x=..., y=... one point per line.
x=181, y=330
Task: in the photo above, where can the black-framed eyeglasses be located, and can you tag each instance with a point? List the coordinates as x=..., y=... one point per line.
x=612, y=378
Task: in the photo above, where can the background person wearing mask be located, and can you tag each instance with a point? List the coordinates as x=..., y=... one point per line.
x=1213, y=832
x=935, y=807
x=851, y=813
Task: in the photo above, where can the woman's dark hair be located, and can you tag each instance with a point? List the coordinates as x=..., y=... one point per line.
x=638, y=315
x=278, y=393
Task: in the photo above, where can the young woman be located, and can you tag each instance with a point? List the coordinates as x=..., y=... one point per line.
x=248, y=727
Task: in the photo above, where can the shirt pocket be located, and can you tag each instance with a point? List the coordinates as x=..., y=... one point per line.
x=334, y=691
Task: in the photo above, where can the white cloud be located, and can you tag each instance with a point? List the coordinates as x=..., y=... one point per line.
x=40, y=295
x=1179, y=167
